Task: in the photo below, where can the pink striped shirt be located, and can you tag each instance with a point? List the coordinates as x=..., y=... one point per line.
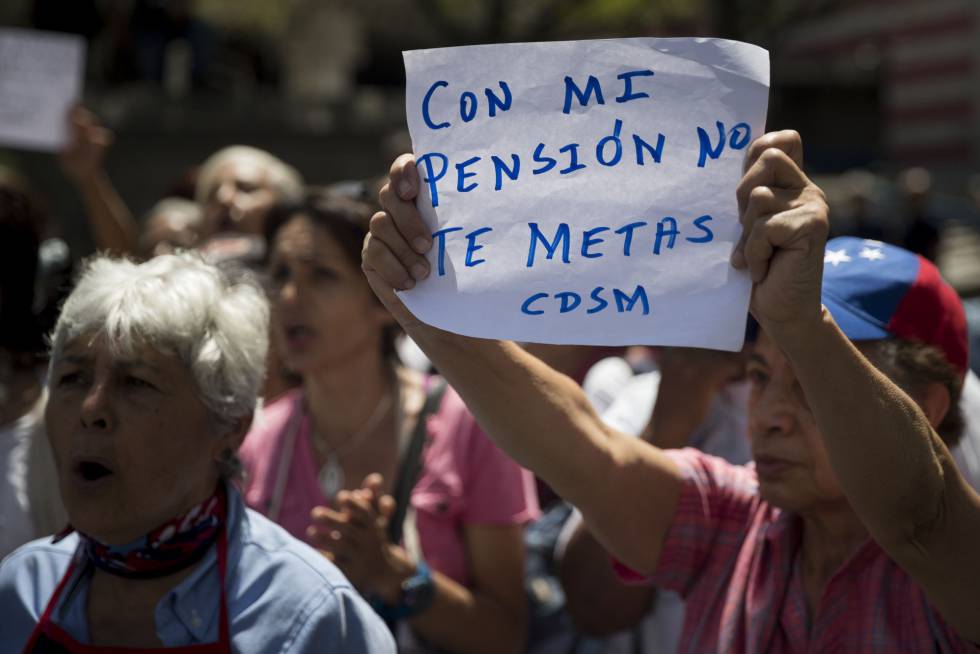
x=736, y=560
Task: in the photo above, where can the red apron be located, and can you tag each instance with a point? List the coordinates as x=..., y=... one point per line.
x=49, y=638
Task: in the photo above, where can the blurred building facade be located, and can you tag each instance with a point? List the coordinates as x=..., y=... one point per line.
x=903, y=75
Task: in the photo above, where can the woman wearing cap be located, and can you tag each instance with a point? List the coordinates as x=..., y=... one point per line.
x=448, y=564
x=815, y=548
x=153, y=378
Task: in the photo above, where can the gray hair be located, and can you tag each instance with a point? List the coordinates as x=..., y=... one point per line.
x=215, y=321
x=285, y=179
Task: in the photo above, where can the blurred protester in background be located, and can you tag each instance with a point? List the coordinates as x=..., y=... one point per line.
x=172, y=224
x=21, y=353
x=921, y=227
x=153, y=380
x=235, y=188
x=860, y=208
x=433, y=533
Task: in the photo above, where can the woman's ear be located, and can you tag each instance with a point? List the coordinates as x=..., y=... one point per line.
x=232, y=440
x=935, y=402
x=239, y=432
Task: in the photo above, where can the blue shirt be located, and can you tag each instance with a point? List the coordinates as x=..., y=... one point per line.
x=283, y=596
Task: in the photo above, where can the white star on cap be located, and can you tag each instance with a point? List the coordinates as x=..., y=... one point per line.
x=836, y=257
x=871, y=254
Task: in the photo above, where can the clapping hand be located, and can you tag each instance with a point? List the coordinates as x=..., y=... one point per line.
x=354, y=536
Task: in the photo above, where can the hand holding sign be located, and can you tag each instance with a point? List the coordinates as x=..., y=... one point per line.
x=784, y=217
x=389, y=260
x=582, y=192
x=785, y=223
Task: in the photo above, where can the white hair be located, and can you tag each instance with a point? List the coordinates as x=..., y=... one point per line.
x=285, y=179
x=215, y=321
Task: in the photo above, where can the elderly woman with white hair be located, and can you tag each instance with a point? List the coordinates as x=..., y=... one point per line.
x=237, y=186
x=153, y=379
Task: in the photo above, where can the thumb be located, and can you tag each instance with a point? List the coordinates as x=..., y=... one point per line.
x=386, y=506
x=404, y=177
x=373, y=482
x=102, y=137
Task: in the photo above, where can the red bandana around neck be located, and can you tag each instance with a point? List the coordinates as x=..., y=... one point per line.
x=171, y=547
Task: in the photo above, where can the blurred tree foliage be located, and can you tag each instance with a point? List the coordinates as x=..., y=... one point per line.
x=268, y=17
x=494, y=21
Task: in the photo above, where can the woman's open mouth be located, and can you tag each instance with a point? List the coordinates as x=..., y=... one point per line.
x=92, y=471
x=299, y=336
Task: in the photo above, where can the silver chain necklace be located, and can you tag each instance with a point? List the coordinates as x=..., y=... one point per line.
x=331, y=477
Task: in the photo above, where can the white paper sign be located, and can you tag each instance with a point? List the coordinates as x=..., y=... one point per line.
x=40, y=78
x=584, y=191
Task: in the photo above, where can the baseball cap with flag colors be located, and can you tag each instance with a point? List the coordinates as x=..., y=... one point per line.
x=875, y=290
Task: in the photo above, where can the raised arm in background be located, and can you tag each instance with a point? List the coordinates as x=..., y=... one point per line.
x=113, y=227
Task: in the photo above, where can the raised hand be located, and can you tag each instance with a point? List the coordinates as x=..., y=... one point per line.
x=394, y=251
x=785, y=222
x=88, y=142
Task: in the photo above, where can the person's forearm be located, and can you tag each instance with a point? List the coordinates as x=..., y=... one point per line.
x=890, y=463
x=113, y=226
x=531, y=411
x=461, y=620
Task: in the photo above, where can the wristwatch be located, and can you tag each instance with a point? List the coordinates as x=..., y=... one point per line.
x=417, y=594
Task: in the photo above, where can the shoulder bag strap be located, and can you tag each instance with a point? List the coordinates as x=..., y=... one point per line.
x=411, y=464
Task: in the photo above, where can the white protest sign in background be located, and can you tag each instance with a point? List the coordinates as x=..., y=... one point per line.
x=40, y=79
x=584, y=191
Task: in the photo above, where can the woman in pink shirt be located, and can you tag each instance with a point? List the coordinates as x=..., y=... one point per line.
x=328, y=460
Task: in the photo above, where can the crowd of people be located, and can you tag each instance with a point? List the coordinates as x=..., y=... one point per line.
x=231, y=435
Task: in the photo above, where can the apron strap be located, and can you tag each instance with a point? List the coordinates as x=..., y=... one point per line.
x=52, y=633
x=49, y=609
x=224, y=627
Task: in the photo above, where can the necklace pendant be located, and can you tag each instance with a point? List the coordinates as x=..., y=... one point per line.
x=331, y=477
